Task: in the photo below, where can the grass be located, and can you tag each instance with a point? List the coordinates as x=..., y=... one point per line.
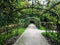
x=21, y=30
x=42, y=28
x=5, y=36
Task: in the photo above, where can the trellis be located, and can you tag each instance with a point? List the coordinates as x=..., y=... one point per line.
x=7, y=30
x=35, y=20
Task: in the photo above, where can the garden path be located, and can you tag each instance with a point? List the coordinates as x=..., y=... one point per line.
x=32, y=36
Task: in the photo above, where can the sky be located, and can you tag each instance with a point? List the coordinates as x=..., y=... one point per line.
x=42, y=2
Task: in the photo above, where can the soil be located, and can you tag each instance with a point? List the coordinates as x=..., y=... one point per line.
x=12, y=40
x=52, y=42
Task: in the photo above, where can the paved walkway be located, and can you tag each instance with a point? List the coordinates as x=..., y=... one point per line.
x=32, y=36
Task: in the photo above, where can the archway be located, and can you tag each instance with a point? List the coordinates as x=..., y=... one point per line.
x=33, y=20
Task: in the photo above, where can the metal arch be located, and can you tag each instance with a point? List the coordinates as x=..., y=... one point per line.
x=46, y=10
x=33, y=18
x=25, y=8
x=54, y=5
x=49, y=11
x=29, y=15
x=36, y=21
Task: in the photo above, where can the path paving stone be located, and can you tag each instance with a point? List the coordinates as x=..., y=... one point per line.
x=32, y=36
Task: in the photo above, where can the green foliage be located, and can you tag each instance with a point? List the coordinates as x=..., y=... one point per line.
x=8, y=16
x=6, y=36
x=42, y=28
x=29, y=11
x=52, y=35
x=44, y=33
x=15, y=12
x=21, y=31
x=22, y=4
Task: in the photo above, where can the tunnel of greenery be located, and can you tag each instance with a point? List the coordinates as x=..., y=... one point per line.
x=16, y=15
x=33, y=20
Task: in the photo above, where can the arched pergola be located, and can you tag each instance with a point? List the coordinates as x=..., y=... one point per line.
x=30, y=20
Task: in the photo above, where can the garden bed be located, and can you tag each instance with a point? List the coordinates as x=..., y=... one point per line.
x=12, y=40
x=52, y=37
x=10, y=37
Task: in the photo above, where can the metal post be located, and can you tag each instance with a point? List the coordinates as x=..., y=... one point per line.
x=32, y=7
x=57, y=28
